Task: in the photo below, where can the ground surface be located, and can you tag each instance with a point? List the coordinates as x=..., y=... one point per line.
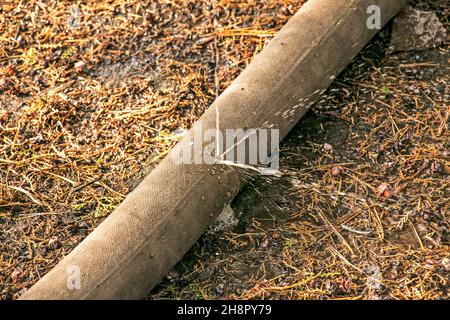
x=90, y=101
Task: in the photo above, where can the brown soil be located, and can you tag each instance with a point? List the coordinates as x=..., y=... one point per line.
x=86, y=112
x=369, y=220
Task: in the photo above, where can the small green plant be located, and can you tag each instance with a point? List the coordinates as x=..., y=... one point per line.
x=78, y=207
x=104, y=206
x=385, y=90
x=70, y=51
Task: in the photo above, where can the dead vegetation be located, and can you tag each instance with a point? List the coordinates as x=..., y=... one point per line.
x=362, y=208
x=90, y=99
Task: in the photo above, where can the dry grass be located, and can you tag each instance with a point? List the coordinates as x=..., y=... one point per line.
x=86, y=112
x=368, y=219
x=89, y=104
